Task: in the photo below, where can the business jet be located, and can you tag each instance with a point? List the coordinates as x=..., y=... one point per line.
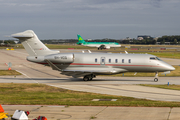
x=99, y=45
x=89, y=65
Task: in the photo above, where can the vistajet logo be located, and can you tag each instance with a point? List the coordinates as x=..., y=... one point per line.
x=40, y=49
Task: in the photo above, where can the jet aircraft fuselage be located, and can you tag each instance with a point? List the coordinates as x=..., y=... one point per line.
x=88, y=65
x=111, y=62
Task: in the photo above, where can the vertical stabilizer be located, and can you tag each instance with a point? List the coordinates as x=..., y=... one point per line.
x=80, y=39
x=32, y=44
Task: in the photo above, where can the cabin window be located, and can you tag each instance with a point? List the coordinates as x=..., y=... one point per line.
x=129, y=60
x=96, y=60
x=116, y=60
x=152, y=58
x=122, y=60
x=109, y=60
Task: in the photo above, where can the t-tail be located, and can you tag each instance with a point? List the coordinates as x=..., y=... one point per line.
x=32, y=44
x=80, y=39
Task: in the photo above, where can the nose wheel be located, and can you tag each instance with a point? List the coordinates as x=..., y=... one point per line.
x=155, y=79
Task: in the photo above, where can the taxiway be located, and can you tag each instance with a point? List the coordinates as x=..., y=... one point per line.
x=121, y=86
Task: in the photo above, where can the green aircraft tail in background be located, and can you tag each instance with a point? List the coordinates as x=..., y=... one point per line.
x=80, y=39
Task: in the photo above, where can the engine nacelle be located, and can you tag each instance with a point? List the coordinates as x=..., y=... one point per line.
x=107, y=47
x=60, y=58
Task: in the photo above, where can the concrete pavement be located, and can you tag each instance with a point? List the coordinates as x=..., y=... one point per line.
x=35, y=73
x=96, y=112
x=112, y=87
x=135, y=91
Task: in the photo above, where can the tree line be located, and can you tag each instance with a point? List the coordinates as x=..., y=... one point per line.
x=146, y=41
x=173, y=40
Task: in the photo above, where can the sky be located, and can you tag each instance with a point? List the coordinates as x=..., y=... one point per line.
x=92, y=19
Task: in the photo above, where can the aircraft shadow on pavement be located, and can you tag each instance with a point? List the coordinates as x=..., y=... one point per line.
x=34, y=78
x=76, y=79
x=122, y=80
x=98, y=80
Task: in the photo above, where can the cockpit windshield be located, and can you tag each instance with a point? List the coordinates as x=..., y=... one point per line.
x=154, y=58
x=158, y=59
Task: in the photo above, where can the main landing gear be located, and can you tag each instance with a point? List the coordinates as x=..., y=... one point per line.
x=102, y=47
x=156, y=77
x=88, y=77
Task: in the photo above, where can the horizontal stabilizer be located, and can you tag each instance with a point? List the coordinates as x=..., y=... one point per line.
x=26, y=34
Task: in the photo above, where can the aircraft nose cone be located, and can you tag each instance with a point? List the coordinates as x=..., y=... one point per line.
x=171, y=68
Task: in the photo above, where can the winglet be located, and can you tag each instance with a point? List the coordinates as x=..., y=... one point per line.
x=126, y=52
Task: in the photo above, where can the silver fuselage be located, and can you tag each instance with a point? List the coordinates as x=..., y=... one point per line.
x=120, y=62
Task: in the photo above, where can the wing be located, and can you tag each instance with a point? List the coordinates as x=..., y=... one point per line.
x=104, y=46
x=79, y=72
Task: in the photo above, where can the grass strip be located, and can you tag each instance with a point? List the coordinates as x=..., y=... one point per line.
x=174, y=55
x=171, y=87
x=40, y=94
x=9, y=72
x=52, y=46
x=169, y=53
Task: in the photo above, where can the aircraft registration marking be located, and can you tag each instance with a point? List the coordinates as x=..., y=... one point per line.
x=60, y=57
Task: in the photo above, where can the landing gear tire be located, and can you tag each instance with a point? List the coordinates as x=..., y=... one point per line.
x=155, y=79
x=86, y=78
x=89, y=77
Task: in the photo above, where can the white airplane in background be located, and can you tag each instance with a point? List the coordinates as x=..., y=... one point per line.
x=99, y=45
x=88, y=65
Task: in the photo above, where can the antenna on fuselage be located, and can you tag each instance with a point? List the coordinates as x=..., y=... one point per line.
x=126, y=52
x=89, y=51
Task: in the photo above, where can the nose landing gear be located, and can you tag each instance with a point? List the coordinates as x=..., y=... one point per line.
x=156, y=77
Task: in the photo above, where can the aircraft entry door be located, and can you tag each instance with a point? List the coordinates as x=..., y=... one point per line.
x=102, y=60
